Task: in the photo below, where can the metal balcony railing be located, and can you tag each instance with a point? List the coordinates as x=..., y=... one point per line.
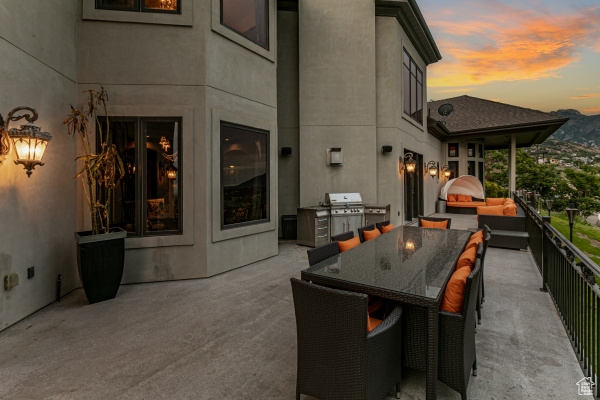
x=569, y=276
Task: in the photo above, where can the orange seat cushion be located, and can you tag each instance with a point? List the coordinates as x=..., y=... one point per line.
x=491, y=210
x=371, y=234
x=387, y=228
x=452, y=197
x=464, y=198
x=494, y=201
x=478, y=235
x=434, y=224
x=455, y=291
x=465, y=204
x=467, y=258
x=510, y=209
x=346, y=245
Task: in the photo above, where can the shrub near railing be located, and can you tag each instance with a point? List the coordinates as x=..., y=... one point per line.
x=569, y=276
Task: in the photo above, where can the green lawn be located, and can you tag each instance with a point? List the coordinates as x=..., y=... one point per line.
x=585, y=244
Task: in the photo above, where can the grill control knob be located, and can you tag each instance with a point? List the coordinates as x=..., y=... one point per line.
x=345, y=211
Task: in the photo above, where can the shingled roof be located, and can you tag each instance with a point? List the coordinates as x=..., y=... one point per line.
x=475, y=118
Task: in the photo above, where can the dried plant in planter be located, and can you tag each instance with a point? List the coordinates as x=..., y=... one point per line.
x=102, y=170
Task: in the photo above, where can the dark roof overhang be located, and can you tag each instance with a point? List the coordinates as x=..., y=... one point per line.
x=409, y=16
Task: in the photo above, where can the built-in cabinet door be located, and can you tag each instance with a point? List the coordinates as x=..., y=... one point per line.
x=355, y=222
x=338, y=225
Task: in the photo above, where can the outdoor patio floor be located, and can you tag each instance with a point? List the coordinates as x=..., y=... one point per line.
x=233, y=336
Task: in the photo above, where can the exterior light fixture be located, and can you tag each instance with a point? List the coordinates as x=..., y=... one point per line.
x=446, y=172
x=536, y=198
x=549, y=202
x=28, y=141
x=571, y=211
x=408, y=163
x=432, y=167
x=171, y=171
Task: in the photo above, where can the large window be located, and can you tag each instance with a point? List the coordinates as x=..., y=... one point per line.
x=164, y=6
x=249, y=18
x=244, y=175
x=413, y=89
x=147, y=200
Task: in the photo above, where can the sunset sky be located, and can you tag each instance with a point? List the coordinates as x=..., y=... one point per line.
x=540, y=54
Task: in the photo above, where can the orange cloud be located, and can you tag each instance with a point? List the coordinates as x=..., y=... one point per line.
x=463, y=90
x=585, y=96
x=514, y=44
x=592, y=110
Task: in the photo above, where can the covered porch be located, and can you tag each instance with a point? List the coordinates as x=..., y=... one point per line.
x=233, y=336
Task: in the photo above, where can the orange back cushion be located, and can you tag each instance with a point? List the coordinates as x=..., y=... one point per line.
x=372, y=323
x=452, y=197
x=346, y=245
x=478, y=235
x=387, y=228
x=371, y=234
x=467, y=258
x=508, y=200
x=494, y=201
x=434, y=224
x=510, y=209
x=473, y=243
x=491, y=210
x=455, y=291
x=464, y=197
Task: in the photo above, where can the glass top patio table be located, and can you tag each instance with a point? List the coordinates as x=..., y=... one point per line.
x=411, y=260
x=408, y=264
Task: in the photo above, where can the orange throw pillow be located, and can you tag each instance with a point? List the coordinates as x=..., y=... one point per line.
x=371, y=234
x=467, y=258
x=455, y=291
x=434, y=224
x=452, y=197
x=346, y=245
x=372, y=323
x=508, y=200
x=478, y=235
x=510, y=209
x=494, y=201
x=491, y=210
x=473, y=243
x=387, y=228
x=464, y=197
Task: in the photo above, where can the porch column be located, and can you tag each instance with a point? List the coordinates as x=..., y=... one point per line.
x=512, y=165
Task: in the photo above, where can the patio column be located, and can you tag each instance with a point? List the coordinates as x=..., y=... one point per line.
x=512, y=165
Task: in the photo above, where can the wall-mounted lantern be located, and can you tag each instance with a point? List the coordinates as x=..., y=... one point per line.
x=446, y=172
x=408, y=163
x=171, y=171
x=432, y=168
x=28, y=141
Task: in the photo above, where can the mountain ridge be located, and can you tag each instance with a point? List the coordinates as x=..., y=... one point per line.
x=582, y=129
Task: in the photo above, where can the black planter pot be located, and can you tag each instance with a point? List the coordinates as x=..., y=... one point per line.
x=100, y=259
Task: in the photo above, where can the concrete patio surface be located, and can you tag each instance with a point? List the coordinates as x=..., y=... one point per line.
x=233, y=336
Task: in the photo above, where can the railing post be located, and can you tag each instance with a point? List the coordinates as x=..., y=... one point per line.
x=545, y=256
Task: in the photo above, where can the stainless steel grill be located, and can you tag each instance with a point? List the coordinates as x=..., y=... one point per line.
x=347, y=212
x=375, y=213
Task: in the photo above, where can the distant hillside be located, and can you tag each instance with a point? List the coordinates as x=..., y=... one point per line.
x=582, y=129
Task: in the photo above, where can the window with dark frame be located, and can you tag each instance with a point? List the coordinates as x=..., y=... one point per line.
x=480, y=151
x=249, y=18
x=453, y=166
x=244, y=175
x=413, y=88
x=147, y=201
x=156, y=6
x=470, y=149
x=452, y=149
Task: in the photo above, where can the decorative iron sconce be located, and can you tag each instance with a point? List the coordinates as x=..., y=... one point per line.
x=446, y=172
x=432, y=168
x=28, y=141
x=408, y=163
x=171, y=171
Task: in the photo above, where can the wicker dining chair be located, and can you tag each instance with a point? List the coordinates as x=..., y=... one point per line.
x=342, y=236
x=457, y=354
x=361, y=236
x=434, y=219
x=480, y=296
x=337, y=357
x=381, y=224
x=322, y=252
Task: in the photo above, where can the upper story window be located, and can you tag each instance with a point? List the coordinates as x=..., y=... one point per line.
x=249, y=18
x=161, y=6
x=147, y=200
x=413, y=89
x=244, y=175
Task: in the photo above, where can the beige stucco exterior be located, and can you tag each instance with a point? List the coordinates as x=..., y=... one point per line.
x=331, y=77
